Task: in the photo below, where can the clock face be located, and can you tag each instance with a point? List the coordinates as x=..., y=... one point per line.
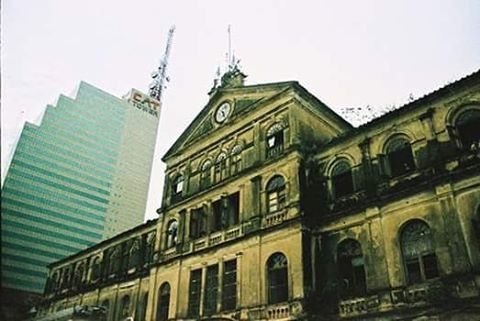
x=222, y=112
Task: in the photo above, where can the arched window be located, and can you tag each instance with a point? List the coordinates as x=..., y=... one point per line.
x=400, y=156
x=142, y=308
x=351, y=268
x=149, y=248
x=342, y=182
x=467, y=126
x=124, y=309
x=134, y=255
x=114, y=261
x=276, y=198
x=177, y=188
x=274, y=140
x=172, y=228
x=235, y=159
x=418, y=252
x=163, y=303
x=277, y=278
x=221, y=167
x=205, y=174
x=78, y=278
x=95, y=269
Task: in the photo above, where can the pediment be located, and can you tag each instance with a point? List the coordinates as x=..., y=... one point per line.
x=242, y=99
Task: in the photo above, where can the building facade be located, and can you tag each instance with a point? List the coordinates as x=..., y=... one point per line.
x=79, y=177
x=275, y=208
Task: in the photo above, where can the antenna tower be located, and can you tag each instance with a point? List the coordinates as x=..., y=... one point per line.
x=160, y=75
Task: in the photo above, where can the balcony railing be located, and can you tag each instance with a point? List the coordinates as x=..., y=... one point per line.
x=275, y=218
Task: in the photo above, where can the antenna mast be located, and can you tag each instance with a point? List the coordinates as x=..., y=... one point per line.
x=160, y=76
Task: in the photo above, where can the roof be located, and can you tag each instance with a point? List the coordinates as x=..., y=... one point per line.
x=279, y=87
x=105, y=242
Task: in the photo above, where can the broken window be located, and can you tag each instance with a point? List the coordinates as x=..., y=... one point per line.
x=277, y=271
x=163, y=303
x=418, y=252
x=274, y=140
x=221, y=167
x=276, y=197
x=400, y=157
x=198, y=223
x=177, y=188
x=172, y=228
x=229, y=289
x=194, y=291
x=205, y=174
x=468, y=129
x=342, y=182
x=226, y=212
x=211, y=290
x=351, y=268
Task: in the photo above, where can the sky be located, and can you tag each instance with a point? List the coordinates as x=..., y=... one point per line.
x=347, y=53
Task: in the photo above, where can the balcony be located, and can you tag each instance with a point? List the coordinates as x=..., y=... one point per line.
x=275, y=218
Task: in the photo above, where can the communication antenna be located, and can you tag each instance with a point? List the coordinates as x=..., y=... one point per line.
x=160, y=75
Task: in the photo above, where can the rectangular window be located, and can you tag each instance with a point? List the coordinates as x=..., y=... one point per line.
x=198, y=226
x=233, y=209
x=217, y=215
x=211, y=290
x=229, y=289
x=430, y=266
x=194, y=292
x=226, y=212
x=413, y=271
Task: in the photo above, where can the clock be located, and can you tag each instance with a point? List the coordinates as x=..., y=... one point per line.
x=222, y=112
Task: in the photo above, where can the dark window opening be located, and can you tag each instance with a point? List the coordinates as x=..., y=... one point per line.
x=198, y=223
x=141, y=310
x=342, y=181
x=235, y=159
x=205, y=174
x=134, y=256
x=221, y=167
x=468, y=129
x=276, y=196
x=124, y=307
x=418, y=252
x=351, y=269
x=114, y=263
x=277, y=269
x=96, y=269
x=226, y=212
x=194, y=292
x=211, y=290
x=229, y=288
x=163, y=304
x=400, y=157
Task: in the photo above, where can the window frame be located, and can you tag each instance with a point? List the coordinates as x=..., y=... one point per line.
x=278, y=291
x=419, y=260
x=276, y=196
x=277, y=146
x=400, y=160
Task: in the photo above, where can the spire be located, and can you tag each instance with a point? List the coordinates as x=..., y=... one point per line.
x=160, y=75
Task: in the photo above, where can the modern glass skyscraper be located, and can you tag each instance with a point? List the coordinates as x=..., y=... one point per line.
x=79, y=177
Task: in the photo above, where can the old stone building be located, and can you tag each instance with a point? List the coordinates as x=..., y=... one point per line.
x=275, y=208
